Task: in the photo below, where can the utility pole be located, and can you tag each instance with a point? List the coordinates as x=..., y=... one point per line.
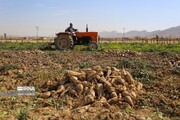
x=123, y=33
x=5, y=36
x=37, y=29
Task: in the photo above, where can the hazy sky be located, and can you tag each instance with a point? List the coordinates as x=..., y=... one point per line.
x=19, y=17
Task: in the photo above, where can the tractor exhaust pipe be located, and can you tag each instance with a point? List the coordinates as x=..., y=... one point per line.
x=86, y=27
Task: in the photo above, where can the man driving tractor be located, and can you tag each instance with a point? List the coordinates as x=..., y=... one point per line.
x=71, y=29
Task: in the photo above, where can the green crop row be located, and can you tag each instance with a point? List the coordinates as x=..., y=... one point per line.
x=143, y=47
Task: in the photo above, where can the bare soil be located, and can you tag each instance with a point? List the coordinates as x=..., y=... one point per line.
x=159, y=73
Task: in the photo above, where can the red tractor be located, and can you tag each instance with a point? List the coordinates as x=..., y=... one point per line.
x=67, y=40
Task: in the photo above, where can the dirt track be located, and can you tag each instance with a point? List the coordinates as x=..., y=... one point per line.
x=159, y=73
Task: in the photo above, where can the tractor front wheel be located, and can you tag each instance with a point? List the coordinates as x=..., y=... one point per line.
x=92, y=46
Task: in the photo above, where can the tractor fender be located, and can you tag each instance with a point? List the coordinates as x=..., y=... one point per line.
x=63, y=33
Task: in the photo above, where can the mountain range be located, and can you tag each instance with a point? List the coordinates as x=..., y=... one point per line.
x=173, y=32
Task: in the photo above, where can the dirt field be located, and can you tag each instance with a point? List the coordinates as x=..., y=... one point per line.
x=159, y=72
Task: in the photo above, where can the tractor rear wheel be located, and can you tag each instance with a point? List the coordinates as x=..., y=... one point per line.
x=92, y=45
x=63, y=42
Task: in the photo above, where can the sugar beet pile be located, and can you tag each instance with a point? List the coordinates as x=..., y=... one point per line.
x=89, y=86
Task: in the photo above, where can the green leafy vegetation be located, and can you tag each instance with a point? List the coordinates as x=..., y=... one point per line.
x=144, y=47
x=157, y=116
x=84, y=65
x=143, y=76
x=131, y=64
x=57, y=105
x=8, y=67
x=139, y=69
x=23, y=114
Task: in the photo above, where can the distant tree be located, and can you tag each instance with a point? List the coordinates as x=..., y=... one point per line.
x=137, y=37
x=157, y=38
x=5, y=36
